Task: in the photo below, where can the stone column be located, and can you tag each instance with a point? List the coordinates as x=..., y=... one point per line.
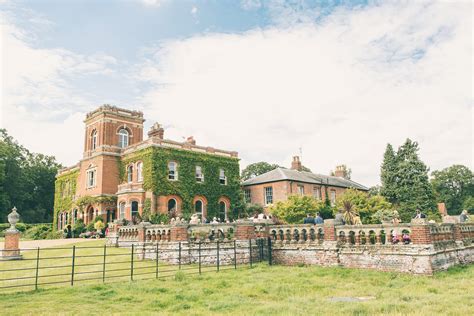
x=420, y=232
x=245, y=230
x=329, y=230
x=11, y=250
x=179, y=232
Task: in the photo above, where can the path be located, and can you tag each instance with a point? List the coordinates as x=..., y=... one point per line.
x=46, y=243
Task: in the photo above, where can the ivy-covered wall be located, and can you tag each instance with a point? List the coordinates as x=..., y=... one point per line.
x=155, y=177
x=65, y=189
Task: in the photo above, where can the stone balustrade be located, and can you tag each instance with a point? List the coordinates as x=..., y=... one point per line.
x=130, y=187
x=373, y=234
x=297, y=233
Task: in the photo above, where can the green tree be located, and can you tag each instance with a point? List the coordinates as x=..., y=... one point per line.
x=295, y=208
x=256, y=169
x=388, y=175
x=363, y=204
x=469, y=204
x=405, y=181
x=453, y=185
x=26, y=181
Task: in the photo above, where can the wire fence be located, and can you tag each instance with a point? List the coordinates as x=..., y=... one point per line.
x=50, y=267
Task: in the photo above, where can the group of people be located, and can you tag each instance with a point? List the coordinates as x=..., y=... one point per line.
x=317, y=219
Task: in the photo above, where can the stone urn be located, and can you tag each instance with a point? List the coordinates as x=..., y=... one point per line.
x=13, y=218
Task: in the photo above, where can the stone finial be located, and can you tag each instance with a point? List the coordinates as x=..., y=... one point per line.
x=13, y=218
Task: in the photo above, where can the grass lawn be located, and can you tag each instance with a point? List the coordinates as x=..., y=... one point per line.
x=261, y=290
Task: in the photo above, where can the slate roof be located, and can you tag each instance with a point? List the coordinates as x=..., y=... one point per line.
x=280, y=174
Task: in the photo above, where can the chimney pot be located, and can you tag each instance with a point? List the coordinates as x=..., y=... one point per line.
x=156, y=131
x=296, y=163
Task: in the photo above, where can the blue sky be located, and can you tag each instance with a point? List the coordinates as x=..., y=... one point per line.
x=340, y=79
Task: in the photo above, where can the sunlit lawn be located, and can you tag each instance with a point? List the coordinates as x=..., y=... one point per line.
x=261, y=290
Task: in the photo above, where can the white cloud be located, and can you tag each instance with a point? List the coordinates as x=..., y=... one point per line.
x=39, y=105
x=152, y=3
x=341, y=88
x=250, y=4
x=194, y=10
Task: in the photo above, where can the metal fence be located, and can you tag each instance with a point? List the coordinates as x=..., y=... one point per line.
x=49, y=267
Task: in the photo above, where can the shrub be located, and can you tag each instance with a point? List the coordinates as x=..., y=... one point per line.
x=21, y=227
x=38, y=232
x=158, y=218
x=295, y=208
x=99, y=225
x=252, y=209
x=90, y=227
x=78, y=228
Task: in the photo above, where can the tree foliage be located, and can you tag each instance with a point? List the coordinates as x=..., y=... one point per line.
x=256, y=169
x=295, y=208
x=363, y=204
x=405, y=181
x=453, y=186
x=26, y=181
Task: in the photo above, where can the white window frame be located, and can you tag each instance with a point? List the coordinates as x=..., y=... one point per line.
x=333, y=197
x=130, y=174
x=268, y=195
x=91, y=178
x=222, y=177
x=317, y=192
x=140, y=171
x=124, y=136
x=248, y=195
x=199, y=174
x=122, y=207
x=173, y=171
x=300, y=189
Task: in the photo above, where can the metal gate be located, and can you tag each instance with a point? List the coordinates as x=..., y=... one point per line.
x=263, y=250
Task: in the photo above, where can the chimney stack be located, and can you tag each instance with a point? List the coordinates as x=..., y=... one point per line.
x=296, y=163
x=339, y=171
x=156, y=131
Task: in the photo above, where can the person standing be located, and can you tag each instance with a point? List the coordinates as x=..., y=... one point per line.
x=318, y=219
x=464, y=216
x=419, y=214
x=309, y=219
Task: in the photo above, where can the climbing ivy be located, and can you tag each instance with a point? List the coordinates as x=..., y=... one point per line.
x=65, y=189
x=155, y=177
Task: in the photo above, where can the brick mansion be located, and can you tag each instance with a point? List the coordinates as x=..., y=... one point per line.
x=124, y=176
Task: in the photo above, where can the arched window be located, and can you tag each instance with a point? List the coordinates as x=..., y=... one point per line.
x=130, y=173
x=94, y=140
x=172, y=170
x=198, y=207
x=122, y=210
x=140, y=171
x=134, y=208
x=172, y=206
x=222, y=211
x=123, y=138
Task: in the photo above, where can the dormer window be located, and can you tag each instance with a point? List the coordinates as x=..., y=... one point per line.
x=172, y=171
x=130, y=173
x=199, y=174
x=94, y=140
x=123, y=138
x=139, y=171
x=222, y=177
